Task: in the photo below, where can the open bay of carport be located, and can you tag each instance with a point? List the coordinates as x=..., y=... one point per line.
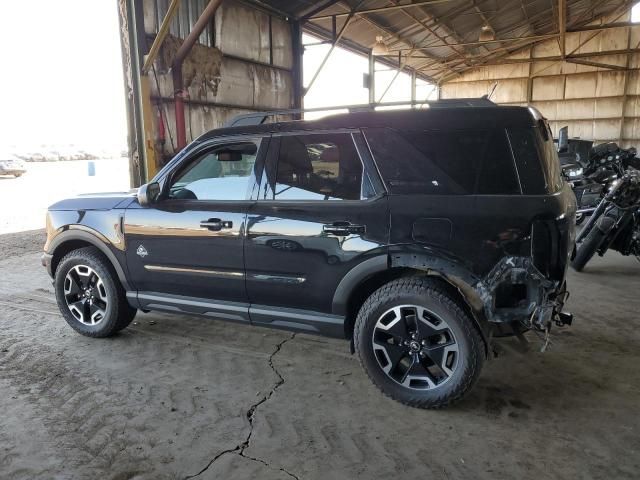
x=177, y=396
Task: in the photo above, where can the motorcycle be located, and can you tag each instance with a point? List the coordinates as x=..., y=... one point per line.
x=591, y=171
x=614, y=224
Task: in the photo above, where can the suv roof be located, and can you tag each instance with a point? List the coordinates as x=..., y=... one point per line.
x=441, y=118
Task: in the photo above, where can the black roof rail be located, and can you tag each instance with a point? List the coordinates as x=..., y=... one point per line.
x=258, y=118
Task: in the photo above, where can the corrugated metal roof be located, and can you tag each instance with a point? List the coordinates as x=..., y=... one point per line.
x=440, y=39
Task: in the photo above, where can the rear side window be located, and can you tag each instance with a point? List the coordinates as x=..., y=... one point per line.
x=444, y=163
x=319, y=167
x=537, y=160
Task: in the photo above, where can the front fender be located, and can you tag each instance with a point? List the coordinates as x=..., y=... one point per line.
x=59, y=238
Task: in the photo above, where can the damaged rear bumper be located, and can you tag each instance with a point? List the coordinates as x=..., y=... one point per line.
x=517, y=297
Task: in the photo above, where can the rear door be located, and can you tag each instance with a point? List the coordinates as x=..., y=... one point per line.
x=185, y=251
x=320, y=212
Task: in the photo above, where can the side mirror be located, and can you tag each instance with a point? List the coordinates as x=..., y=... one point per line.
x=563, y=140
x=148, y=193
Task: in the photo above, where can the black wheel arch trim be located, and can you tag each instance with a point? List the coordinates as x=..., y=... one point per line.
x=95, y=239
x=457, y=276
x=449, y=271
x=353, y=278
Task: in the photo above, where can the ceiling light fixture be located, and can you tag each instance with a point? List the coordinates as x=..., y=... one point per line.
x=380, y=48
x=486, y=34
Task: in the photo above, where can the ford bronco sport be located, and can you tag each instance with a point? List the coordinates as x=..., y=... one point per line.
x=418, y=235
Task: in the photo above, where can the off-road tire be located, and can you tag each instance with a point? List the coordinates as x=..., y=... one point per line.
x=587, y=248
x=429, y=294
x=118, y=313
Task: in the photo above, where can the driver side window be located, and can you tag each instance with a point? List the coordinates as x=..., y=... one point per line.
x=223, y=172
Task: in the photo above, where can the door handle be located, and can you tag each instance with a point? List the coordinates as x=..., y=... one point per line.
x=215, y=224
x=343, y=228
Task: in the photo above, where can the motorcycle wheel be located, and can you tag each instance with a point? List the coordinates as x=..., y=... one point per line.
x=587, y=249
x=580, y=218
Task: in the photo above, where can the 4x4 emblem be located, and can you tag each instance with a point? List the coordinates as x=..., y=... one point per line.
x=141, y=251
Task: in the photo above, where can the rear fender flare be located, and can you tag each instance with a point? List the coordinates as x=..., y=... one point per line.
x=456, y=275
x=452, y=273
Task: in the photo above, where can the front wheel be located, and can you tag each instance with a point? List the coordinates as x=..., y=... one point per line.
x=417, y=344
x=89, y=294
x=587, y=248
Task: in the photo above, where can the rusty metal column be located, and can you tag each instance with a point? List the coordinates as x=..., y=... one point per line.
x=296, y=71
x=130, y=17
x=179, y=92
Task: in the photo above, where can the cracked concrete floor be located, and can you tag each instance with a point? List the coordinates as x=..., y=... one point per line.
x=174, y=396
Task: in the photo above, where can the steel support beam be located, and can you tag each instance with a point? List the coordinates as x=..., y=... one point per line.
x=589, y=63
x=562, y=26
x=323, y=6
x=296, y=72
x=588, y=28
x=333, y=46
x=485, y=42
x=624, y=88
x=381, y=9
x=162, y=34
x=372, y=78
x=130, y=18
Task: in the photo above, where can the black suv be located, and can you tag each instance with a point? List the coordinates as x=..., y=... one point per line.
x=418, y=235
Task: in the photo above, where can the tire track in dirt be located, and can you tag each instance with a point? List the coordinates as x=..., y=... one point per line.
x=98, y=416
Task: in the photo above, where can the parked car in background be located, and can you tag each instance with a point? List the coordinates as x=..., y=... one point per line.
x=11, y=165
x=417, y=235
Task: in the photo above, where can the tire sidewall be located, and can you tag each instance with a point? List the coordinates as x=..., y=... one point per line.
x=468, y=350
x=108, y=324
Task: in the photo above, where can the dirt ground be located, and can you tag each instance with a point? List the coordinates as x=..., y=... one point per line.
x=177, y=397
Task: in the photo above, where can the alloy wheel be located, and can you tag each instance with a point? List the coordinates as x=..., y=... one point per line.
x=415, y=347
x=85, y=295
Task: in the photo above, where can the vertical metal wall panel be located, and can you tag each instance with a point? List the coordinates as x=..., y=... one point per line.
x=183, y=20
x=582, y=85
x=608, y=107
x=633, y=83
x=631, y=130
x=511, y=90
x=255, y=86
x=548, y=88
x=243, y=32
x=610, y=83
x=632, y=107
x=236, y=84
x=282, y=46
x=150, y=16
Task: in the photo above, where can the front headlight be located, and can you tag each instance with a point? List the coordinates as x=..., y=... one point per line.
x=574, y=172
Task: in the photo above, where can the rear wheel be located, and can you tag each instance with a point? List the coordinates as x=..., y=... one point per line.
x=587, y=248
x=89, y=294
x=417, y=345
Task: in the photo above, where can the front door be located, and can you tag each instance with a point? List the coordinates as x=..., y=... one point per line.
x=320, y=212
x=185, y=251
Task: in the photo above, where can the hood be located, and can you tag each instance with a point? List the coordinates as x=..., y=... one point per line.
x=96, y=201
